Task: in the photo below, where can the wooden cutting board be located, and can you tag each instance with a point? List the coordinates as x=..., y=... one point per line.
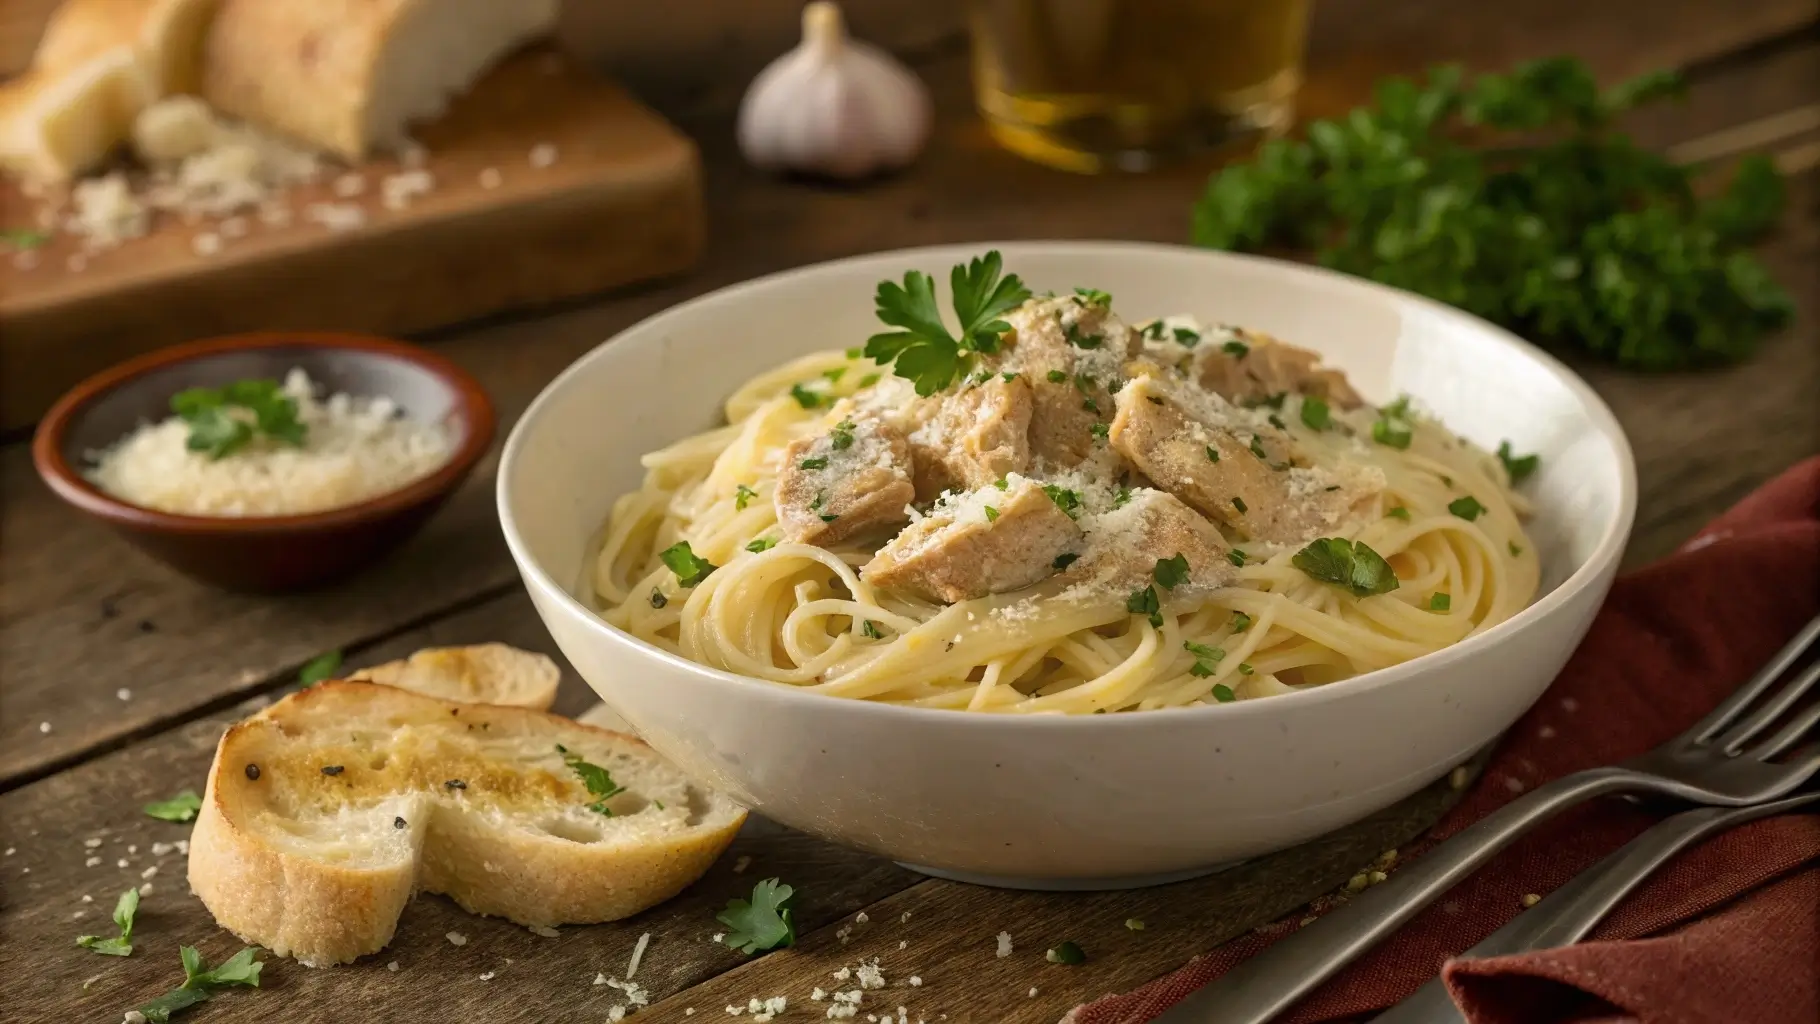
x=620, y=203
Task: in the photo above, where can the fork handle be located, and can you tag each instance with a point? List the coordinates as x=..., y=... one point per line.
x=1265, y=985
x=1570, y=912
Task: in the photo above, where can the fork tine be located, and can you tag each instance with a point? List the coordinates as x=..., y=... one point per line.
x=1789, y=734
x=1766, y=712
x=1721, y=716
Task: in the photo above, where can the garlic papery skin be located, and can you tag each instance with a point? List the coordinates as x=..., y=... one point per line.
x=833, y=106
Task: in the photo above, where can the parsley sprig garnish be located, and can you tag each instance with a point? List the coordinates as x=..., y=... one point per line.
x=1582, y=237
x=764, y=922
x=599, y=782
x=1518, y=467
x=923, y=351
x=200, y=983
x=182, y=807
x=689, y=568
x=121, y=945
x=1351, y=566
x=217, y=430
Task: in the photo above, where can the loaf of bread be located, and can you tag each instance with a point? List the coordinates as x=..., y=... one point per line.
x=350, y=76
x=325, y=812
x=98, y=64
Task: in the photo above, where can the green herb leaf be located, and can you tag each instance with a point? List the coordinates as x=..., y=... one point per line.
x=239, y=969
x=1467, y=508
x=762, y=544
x=182, y=807
x=1354, y=567
x=20, y=238
x=217, y=430
x=159, y=1010
x=923, y=351
x=322, y=666
x=1122, y=498
x=1223, y=693
x=841, y=437
x=1236, y=557
x=1100, y=431
x=1171, y=572
x=1517, y=467
x=1392, y=432
x=868, y=380
x=815, y=463
x=124, y=910
x=1516, y=550
x=1562, y=229
x=871, y=631
x=806, y=398
x=689, y=569
x=1399, y=513
x=1094, y=297
x=1185, y=337
x=1316, y=414
x=1240, y=622
x=1067, y=953
x=1213, y=454
x=1245, y=668
x=763, y=922
x=1144, y=602
x=742, y=495
x=1257, y=448
x=1066, y=500
x=1236, y=349
x=1057, y=376
x=1440, y=602
x=991, y=514
x=1002, y=483
x=835, y=374
x=599, y=782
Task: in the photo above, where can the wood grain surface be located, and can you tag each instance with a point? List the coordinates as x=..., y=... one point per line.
x=82, y=617
x=621, y=203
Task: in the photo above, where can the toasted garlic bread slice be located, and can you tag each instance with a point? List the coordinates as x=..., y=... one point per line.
x=325, y=812
x=481, y=674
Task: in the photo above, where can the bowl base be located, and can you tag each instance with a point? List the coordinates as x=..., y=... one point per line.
x=1071, y=884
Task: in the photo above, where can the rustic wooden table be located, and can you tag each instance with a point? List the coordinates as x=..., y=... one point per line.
x=116, y=676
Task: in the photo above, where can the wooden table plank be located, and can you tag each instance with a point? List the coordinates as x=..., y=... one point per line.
x=68, y=588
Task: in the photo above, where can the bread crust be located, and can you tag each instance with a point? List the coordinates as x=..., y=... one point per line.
x=268, y=890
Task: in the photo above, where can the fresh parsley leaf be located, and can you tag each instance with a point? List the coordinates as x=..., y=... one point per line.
x=922, y=350
x=1171, y=572
x=841, y=437
x=1064, y=560
x=871, y=631
x=182, y=807
x=1094, y=297
x=1516, y=550
x=1512, y=196
x=1223, y=693
x=1257, y=448
x=835, y=374
x=1354, y=567
x=1122, y=498
x=1399, y=513
x=1236, y=349
x=1100, y=431
x=991, y=514
x=159, y=1010
x=689, y=569
x=1467, y=508
x=806, y=398
x=820, y=462
x=1143, y=602
x=1240, y=622
x=1185, y=337
x=1213, y=454
x=1517, y=467
x=868, y=380
x=1066, y=500
x=1392, y=431
x=1067, y=953
x=21, y=238
x=763, y=922
x=124, y=910
x=1245, y=668
x=218, y=418
x=1057, y=376
x=200, y=983
x=1316, y=414
x=1003, y=483
x=322, y=666
x=1440, y=602
x=1236, y=557
x=599, y=782
x=742, y=495
x=762, y=544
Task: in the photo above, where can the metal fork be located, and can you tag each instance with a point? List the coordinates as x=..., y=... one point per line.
x=1566, y=915
x=1708, y=764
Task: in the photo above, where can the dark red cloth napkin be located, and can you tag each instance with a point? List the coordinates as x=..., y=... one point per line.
x=1729, y=932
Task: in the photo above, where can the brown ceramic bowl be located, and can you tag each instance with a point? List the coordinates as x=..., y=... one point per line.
x=266, y=553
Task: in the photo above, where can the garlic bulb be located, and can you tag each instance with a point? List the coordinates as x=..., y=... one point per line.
x=833, y=106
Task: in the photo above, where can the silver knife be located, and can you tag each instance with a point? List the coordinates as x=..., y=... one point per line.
x=1570, y=912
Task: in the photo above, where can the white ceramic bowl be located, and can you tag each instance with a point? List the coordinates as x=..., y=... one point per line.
x=1053, y=801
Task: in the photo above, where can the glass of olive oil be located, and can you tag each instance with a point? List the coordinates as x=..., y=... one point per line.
x=1097, y=85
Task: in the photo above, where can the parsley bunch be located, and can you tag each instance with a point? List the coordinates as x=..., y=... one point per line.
x=201, y=982
x=923, y=350
x=217, y=430
x=1570, y=233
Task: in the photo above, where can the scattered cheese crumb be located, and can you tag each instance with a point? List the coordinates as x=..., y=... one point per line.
x=490, y=178
x=548, y=933
x=336, y=216
x=183, y=847
x=861, y=917
x=717, y=936
x=818, y=995
x=86, y=898
x=92, y=842
x=145, y=889
x=123, y=693
x=44, y=727
x=149, y=872
x=399, y=189
x=487, y=976
x=903, y=944
x=1004, y=944
x=869, y=975
x=106, y=211
x=1531, y=899
x=120, y=863
x=350, y=185
x=543, y=155
x=638, y=953
x=601, y=978
x=616, y=1012
x=457, y=939
x=132, y=848
x=916, y=981
x=1033, y=991
x=78, y=915
x=905, y=918
x=740, y=865
x=393, y=966
x=91, y=862
x=133, y=1017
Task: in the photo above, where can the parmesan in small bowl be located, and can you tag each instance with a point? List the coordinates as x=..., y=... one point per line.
x=267, y=462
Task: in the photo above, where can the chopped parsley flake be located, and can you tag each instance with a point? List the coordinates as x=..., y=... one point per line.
x=1399, y=513
x=835, y=374
x=1205, y=658
x=742, y=495
x=1517, y=467
x=600, y=784
x=182, y=807
x=1236, y=349
x=1171, y=572
x=1073, y=333
x=1223, y=693
x=1516, y=550
x=1212, y=454
x=764, y=922
x=806, y=398
x=991, y=514
x=1100, y=431
x=841, y=437
x=1315, y=414
x=1122, y=498
x=122, y=945
x=1467, y=508
x=1354, y=567
x=762, y=544
x=1067, y=953
x=1144, y=602
x=1008, y=376
x=1094, y=296
x=1057, y=376
x=868, y=380
x=1245, y=668
x=1257, y=447
x=1236, y=557
x=1440, y=602
x=1066, y=500
x=690, y=570
x=1240, y=622
x=1002, y=483
x=1153, y=330
x=870, y=630
x=1185, y=337
x=819, y=462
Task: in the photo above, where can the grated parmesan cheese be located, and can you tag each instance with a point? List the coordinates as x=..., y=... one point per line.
x=1004, y=944
x=356, y=449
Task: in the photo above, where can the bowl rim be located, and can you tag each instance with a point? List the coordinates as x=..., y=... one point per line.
x=1598, y=564
x=69, y=483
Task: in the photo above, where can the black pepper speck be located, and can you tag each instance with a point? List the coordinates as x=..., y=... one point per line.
x=331, y=769
x=397, y=822
x=252, y=772
x=455, y=784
